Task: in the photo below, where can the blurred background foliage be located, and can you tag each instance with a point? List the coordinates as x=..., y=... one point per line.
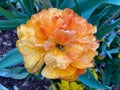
x=105, y=14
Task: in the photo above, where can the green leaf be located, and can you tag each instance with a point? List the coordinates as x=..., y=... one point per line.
x=89, y=80
x=67, y=3
x=17, y=69
x=95, y=18
x=12, y=58
x=104, y=30
x=20, y=76
x=108, y=21
x=116, y=78
x=19, y=73
x=109, y=54
x=4, y=3
x=107, y=75
x=103, y=47
x=3, y=87
x=87, y=7
x=112, y=10
x=28, y=6
x=115, y=50
x=78, y=8
x=7, y=14
x=46, y=4
x=10, y=24
x=116, y=63
x=13, y=1
x=55, y=3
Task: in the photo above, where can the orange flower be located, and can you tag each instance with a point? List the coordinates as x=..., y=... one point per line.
x=60, y=42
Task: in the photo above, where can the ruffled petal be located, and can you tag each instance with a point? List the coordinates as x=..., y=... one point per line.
x=28, y=34
x=33, y=57
x=80, y=71
x=56, y=58
x=85, y=61
x=55, y=73
x=45, y=18
x=73, y=77
x=73, y=51
x=64, y=36
x=49, y=44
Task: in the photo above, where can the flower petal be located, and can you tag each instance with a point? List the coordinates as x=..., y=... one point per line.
x=68, y=15
x=73, y=51
x=64, y=36
x=28, y=34
x=55, y=73
x=73, y=77
x=45, y=18
x=80, y=71
x=49, y=44
x=32, y=56
x=56, y=58
x=85, y=61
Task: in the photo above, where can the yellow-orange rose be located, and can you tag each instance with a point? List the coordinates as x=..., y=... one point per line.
x=60, y=41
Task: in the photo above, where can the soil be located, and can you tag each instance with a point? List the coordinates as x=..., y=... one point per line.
x=7, y=42
x=31, y=84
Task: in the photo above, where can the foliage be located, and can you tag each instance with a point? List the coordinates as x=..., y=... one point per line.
x=108, y=59
x=3, y=87
x=3, y=4
x=103, y=13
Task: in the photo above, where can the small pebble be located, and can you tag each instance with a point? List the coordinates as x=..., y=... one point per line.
x=15, y=88
x=4, y=43
x=6, y=36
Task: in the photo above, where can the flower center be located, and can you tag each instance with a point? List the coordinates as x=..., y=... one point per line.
x=61, y=47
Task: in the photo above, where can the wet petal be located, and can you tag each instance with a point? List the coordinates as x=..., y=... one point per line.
x=56, y=58
x=73, y=77
x=85, y=61
x=80, y=71
x=68, y=15
x=55, y=73
x=32, y=56
x=49, y=44
x=93, y=30
x=73, y=51
x=93, y=45
x=45, y=18
x=64, y=36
